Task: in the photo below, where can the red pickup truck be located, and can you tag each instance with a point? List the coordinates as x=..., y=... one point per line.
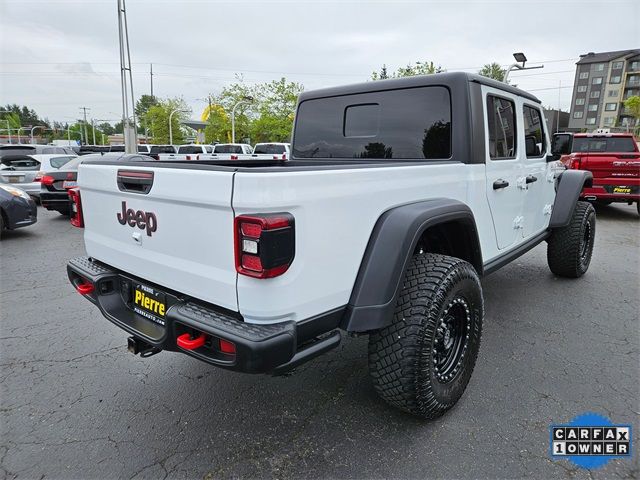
x=614, y=160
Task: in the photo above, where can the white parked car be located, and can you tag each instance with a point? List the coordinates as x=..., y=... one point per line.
x=26, y=171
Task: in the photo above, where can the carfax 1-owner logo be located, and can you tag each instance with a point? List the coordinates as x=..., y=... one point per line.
x=590, y=441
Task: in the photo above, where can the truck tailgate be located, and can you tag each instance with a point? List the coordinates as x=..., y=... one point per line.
x=184, y=240
x=612, y=165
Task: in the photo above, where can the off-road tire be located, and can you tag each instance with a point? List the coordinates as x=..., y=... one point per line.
x=403, y=360
x=569, y=248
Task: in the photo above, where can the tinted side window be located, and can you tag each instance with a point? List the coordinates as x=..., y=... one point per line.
x=412, y=123
x=533, y=132
x=501, y=116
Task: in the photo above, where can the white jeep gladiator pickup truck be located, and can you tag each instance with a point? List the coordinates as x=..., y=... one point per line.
x=400, y=195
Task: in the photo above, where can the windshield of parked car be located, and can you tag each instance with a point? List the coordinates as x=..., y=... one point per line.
x=603, y=144
x=227, y=149
x=410, y=123
x=162, y=149
x=268, y=148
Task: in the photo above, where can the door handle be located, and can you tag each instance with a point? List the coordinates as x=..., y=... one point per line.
x=531, y=179
x=498, y=184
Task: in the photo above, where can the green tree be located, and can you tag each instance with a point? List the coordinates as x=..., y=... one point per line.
x=143, y=104
x=492, y=70
x=632, y=106
x=157, y=119
x=268, y=118
x=106, y=128
x=276, y=107
x=411, y=69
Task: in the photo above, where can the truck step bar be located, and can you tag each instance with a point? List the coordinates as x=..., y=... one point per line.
x=315, y=349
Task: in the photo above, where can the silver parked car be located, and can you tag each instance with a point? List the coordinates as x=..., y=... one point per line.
x=25, y=171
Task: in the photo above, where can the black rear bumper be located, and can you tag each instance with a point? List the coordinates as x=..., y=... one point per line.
x=58, y=201
x=258, y=348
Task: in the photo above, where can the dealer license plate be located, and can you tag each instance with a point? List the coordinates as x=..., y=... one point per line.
x=149, y=303
x=69, y=184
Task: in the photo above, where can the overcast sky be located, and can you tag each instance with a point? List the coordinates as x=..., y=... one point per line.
x=59, y=55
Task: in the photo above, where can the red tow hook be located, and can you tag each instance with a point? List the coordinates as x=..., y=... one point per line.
x=85, y=288
x=185, y=341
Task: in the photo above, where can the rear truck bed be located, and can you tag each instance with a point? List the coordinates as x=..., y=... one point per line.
x=164, y=233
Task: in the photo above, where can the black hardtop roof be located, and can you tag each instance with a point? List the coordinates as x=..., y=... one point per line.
x=453, y=79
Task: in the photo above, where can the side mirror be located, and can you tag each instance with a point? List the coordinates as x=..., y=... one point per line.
x=560, y=145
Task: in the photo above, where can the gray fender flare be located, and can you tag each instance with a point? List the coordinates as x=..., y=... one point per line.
x=569, y=185
x=392, y=243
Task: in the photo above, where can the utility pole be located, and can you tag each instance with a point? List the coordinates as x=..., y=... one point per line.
x=151, y=64
x=84, y=109
x=126, y=82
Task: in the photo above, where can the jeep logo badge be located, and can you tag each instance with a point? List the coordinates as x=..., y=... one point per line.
x=143, y=220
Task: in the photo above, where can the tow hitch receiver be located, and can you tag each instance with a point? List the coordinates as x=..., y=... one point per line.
x=137, y=346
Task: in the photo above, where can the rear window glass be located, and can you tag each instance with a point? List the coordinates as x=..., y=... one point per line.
x=163, y=149
x=190, y=149
x=57, y=162
x=600, y=144
x=269, y=148
x=411, y=123
x=117, y=148
x=227, y=149
x=20, y=162
x=143, y=149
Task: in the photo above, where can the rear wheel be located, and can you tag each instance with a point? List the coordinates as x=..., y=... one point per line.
x=570, y=248
x=423, y=361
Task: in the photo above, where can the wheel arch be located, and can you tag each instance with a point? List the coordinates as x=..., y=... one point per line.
x=439, y=225
x=569, y=185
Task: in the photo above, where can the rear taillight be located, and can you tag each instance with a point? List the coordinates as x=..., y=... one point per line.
x=264, y=244
x=234, y=157
x=47, y=180
x=574, y=162
x=75, y=208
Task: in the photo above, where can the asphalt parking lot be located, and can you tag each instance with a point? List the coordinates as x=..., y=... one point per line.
x=76, y=404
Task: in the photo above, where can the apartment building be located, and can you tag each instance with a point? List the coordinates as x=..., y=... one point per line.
x=603, y=82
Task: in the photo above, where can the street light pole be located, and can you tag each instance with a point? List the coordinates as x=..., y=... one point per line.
x=233, y=116
x=520, y=58
x=32, y=129
x=170, y=126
